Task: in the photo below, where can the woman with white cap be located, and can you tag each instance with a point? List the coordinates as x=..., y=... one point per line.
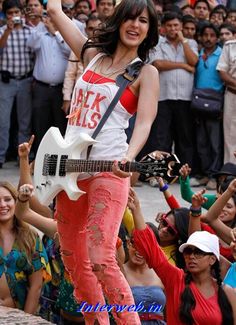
x=196, y=296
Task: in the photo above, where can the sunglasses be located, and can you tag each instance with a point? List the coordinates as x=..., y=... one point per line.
x=165, y=223
x=198, y=253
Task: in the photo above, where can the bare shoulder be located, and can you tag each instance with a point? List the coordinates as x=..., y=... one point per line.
x=148, y=74
x=147, y=79
x=89, y=54
x=149, y=70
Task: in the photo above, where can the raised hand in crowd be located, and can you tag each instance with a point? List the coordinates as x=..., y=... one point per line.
x=233, y=234
x=195, y=215
x=23, y=212
x=25, y=192
x=26, y=170
x=10, y=24
x=185, y=171
x=25, y=148
x=49, y=25
x=198, y=199
x=212, y=216
x=134, y=205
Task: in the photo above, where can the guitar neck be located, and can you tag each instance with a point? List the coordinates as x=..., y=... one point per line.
x=91, y=166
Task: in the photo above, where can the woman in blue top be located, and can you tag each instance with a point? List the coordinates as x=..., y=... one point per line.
x=146, y=287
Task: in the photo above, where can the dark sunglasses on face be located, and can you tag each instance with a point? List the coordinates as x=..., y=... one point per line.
x=198, y=253
x=165, y=223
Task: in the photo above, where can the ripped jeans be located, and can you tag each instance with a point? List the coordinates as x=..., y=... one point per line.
x=88, y=230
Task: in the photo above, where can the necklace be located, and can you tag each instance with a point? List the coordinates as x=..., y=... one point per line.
x=110, y=73
x=75, y=115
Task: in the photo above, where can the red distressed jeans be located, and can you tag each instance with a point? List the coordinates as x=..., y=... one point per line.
x=88, y=230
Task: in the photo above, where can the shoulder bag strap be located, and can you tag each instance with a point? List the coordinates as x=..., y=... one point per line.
x=123, y=80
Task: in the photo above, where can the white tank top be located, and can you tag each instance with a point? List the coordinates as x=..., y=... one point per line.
x=91, y=96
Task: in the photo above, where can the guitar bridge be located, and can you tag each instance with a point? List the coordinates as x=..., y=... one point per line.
x=49, y=165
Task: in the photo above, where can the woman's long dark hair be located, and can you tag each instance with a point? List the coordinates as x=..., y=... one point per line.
x=188, y=302
x=181, y=216
x=106, y=38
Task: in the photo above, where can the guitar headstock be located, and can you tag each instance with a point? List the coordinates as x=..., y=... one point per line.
x=167, y=168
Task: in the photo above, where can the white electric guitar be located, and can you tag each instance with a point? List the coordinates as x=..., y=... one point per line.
x=58, y=164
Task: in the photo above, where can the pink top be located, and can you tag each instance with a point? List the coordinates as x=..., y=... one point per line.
x=207, y=310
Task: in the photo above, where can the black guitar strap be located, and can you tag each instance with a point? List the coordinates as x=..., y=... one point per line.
x=122, y=80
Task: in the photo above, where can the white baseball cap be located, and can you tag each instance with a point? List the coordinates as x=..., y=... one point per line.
x=205, y=241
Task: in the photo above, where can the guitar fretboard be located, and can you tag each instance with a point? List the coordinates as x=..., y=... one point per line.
x=80, y=165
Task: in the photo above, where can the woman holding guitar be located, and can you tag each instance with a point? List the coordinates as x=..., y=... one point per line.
x=88, y=227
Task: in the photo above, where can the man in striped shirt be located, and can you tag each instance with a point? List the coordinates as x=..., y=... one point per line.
x=16, y=65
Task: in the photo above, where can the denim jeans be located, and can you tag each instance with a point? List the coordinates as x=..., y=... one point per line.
x=88, y=230
x=21, y=91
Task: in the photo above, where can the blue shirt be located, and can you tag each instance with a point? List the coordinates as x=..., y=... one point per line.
x=52, y=54
x=206, y=74
x=230, y=277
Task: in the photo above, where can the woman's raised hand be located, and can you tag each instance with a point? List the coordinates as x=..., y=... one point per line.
x=24, y=148
x=198, y=199
x=133, y=201
x=25, y=192
x=233, y=234
x=185, y=171
x=232, y=186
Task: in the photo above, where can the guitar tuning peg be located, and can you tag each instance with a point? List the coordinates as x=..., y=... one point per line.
x=163, y=162
x=154, y=174
x=43, y=184
x=147, y=175
x=49, y=182
x=39, y=187
x=161, y=174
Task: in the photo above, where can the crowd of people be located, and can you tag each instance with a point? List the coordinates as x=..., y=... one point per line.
x=60, y=65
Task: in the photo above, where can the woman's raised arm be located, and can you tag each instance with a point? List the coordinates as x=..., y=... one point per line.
x=223, y=231
x=70, y=33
